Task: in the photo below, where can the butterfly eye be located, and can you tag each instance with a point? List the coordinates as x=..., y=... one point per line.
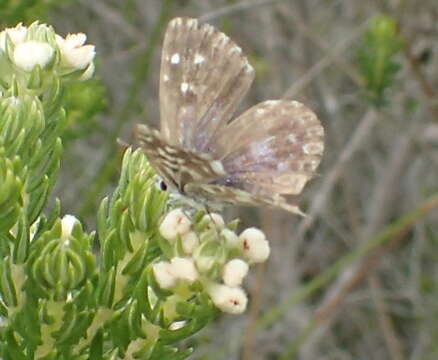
x=162, y=185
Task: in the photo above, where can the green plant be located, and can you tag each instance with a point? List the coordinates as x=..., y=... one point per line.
x=377, y=58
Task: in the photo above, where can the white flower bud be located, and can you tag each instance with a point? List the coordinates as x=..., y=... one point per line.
x=163, y=274
x=232, y=300
x=190, y=242
x=16, y=34
x=67, y=224
x=74, y=53
x=231, y=239
x=29, y=54
x=234, y=272
x=73, y=40
x=176, y=325
x=255, y=246
x=174, y=223
x=184, y=269
x=214, y=221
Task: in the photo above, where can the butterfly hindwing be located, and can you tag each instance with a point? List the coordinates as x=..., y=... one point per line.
x=274, y=147
x=219, y=194
x=203, y=78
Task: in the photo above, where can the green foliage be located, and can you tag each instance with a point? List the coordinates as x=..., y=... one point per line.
x=30, y=141
x=11, y=192
x=26, y=11
x=83, y=101
x=377, y=58
x=57, y=304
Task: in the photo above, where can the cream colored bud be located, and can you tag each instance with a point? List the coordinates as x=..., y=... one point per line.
x=234, y=272
x=184, y=269
x=163, y=274
x=67, y=224
x=73, y=51
x=214, y=221
x=176, y=325
x=255, y=246
x=29, y=54
x=190, y=242
x=75, y=40
x=174, y=223
x=232, y=300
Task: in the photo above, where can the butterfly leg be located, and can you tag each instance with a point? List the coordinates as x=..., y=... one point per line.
x=207, y=210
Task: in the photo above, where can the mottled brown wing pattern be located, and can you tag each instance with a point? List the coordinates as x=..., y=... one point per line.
x=203, y=78
x=220, y=194
x=174, y=164
x=274, y=146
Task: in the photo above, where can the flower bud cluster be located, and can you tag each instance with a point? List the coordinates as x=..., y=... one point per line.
x=209, y=252
x=26, y=51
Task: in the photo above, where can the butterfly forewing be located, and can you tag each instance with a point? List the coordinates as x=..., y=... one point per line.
x=272, y=149
x=203, y=78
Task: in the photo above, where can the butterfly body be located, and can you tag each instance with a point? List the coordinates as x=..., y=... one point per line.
x=271, y=149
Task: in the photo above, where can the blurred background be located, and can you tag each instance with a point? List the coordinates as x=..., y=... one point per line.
x=358, y=277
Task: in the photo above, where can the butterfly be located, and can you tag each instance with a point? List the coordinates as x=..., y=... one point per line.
x=270, y=150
